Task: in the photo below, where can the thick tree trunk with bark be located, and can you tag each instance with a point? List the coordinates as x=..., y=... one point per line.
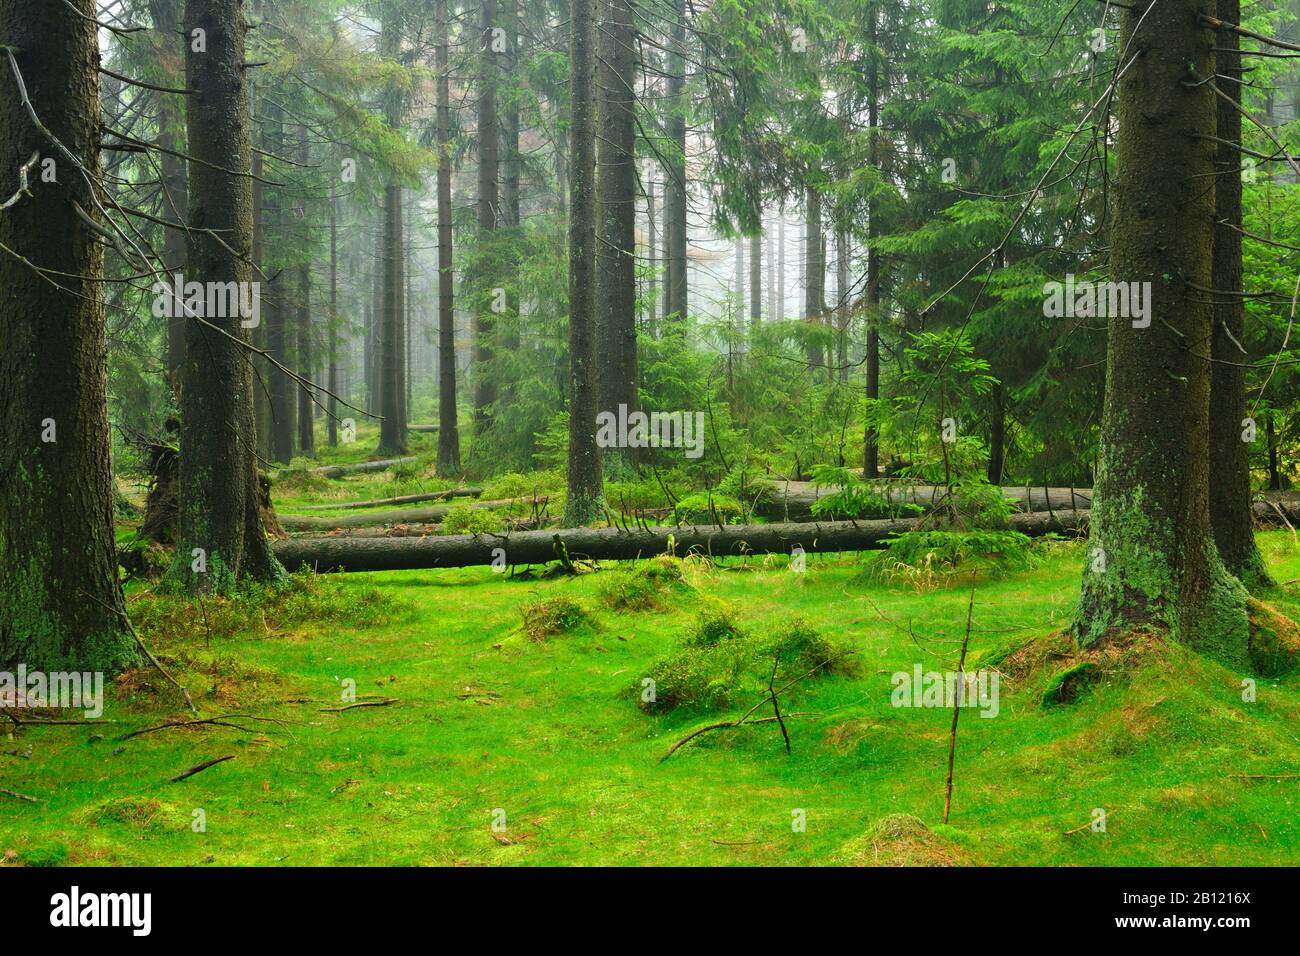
x=221, y=538
x=1230, y=432
x=1152, y=558
x=61, y=606
x=584, y=500
x=616, y=200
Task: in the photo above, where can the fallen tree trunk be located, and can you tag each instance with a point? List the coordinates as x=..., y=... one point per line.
x=793, y=500
x=358, y=468
x=403, y=516
x=402, y=499
x=421, y=428
x=615, y=544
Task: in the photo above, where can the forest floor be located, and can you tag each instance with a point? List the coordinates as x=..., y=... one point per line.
x=545, y=738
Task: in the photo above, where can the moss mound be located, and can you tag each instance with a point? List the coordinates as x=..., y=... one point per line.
x=650, y=585
x=553, y=616
x=901, y=839
x=1274, y=640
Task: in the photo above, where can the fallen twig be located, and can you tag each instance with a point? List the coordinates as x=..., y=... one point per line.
x=200, y=767
x=20, y=796
x=362, y=703
x=745, y=716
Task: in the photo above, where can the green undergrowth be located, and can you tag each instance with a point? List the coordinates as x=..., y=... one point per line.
x=1191, y=761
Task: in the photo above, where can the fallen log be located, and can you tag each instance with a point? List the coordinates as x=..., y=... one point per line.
x=372, y=519
x=616, y=544
x=421, y=428
x=402, y=499
x=793, y=500
x=358, y=468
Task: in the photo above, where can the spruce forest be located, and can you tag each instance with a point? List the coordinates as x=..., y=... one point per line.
x=649, y=432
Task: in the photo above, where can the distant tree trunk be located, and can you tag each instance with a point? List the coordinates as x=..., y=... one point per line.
x=615, y=249
x=779, y=312
x=511, y=168
x=770, y=253
x=221, y=539
x=262, y=370
x=842, y=310
x=585, y=497
x=448, y=432
x=997, y=434
x=275, y=305
x=166, y=16
x=1230, y=511
x=1152, y=559
x=62, y=604
x=675, y=227
x=814, y=274
x=738, y=288
x=489, y=204
x=1274, y=472
x=756, y=277
x=306, y=352
x=392, y=429
x=652, y=253
x=332, y=402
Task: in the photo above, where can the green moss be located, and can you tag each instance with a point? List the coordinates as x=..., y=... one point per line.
x=1066, y=686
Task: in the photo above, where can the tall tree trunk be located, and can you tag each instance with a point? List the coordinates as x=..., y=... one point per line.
x=221, y=539
x=585, y=498
x=1274, y=472
x=332, y=402
x=871, y=436
x=756, y=276
x=779, y=312
x=392, y=429
x=652, y=254
x=448, y=432
x=842, y=310
x=997, y=434
x=166, y=15
x=489, y=204
x=1230, y=512
x=675, y=228
x=1152, y=559
x=814, y=275
x=306, y=351
x=275, y=305
x=62, y=604
x=615, y=251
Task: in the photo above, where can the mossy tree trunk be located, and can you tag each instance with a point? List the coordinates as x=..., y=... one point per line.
x=585, y=498
x=61, y=605
x=1230, y=432
x=1152, y=559
x=221, y=538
